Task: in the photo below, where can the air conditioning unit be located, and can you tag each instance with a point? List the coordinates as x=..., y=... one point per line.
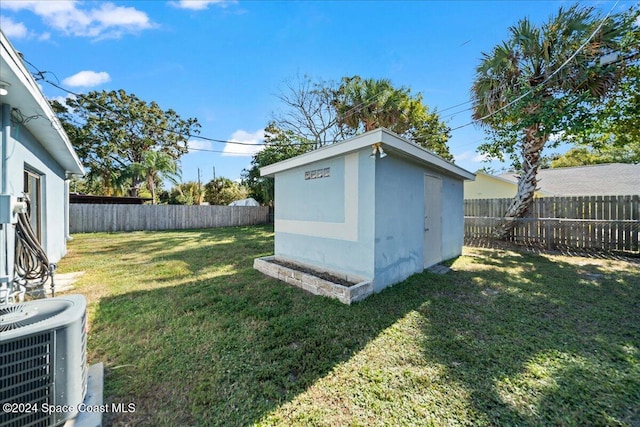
x=43, y=361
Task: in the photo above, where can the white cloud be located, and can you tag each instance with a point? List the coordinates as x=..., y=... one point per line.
x=462, y=156
x=471, y=156
x=87, y=79
x=479, y=158
x=12, y=29
x=198, y=144
x=245, y=137
x=105, y=21
x=199, y=4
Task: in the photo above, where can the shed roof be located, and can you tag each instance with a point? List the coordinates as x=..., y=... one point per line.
x=24, y=94
x=611, y=179
x=391, y=143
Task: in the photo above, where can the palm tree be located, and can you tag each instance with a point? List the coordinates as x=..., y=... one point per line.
x=366, y=104
x=155, y=165
x=538, y=83
x=371, y=104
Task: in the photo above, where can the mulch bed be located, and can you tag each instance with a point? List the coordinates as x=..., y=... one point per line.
x=320, y=274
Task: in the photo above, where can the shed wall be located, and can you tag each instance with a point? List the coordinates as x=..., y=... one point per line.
x=399, y=211
x=328, y=221
x=399, y=221
x=452, y=217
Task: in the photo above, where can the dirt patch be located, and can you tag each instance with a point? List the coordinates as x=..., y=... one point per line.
x=321, y=274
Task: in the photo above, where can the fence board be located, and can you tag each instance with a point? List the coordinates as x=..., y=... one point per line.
x=596, y=222
x=89, y=218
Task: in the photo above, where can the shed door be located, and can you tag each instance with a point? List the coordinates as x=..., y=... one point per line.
x=432, y=220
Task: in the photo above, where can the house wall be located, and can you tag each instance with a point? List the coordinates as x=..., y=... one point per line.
x=491, y=187
x=488, y=187
x=399, y=207
x=7, y=234
x=24, y=151
x=328, y=221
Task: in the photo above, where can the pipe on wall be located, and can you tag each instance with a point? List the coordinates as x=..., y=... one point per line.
x=6, y=132
x=5, y=277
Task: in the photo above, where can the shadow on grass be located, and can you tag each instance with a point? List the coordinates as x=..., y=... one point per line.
x=229, y=349
x=537, y=341
x=534, y=341
x=173, y=256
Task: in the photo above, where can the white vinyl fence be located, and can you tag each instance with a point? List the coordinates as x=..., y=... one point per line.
x=91, y=218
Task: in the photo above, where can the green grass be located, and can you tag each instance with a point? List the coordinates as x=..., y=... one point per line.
x=192, y=335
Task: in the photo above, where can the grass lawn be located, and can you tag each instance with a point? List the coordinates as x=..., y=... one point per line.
x=192, y=335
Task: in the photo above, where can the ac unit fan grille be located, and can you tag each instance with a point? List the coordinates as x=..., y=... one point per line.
x=8, y=310
x=26, y=377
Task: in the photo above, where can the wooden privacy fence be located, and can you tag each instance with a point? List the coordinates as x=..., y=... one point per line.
x=89, y=218
x=609, y=223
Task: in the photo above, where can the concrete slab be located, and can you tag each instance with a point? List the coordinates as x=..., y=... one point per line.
x=64, y=282
x=439, y=269
x=93, y=399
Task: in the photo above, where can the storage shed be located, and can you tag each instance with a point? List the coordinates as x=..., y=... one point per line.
x=372, y=210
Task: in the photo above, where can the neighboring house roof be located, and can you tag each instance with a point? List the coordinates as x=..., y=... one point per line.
x=25, y=94
x=245, y=202
x=612, y=179
x=391, y=143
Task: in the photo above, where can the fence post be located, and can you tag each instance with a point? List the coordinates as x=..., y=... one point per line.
x=586, y=222
x=90, y=218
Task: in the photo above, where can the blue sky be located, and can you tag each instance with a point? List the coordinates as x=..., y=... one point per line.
x=222, y=62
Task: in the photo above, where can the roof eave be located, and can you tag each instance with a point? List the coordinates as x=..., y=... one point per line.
x=25, y=94
x=391, y=142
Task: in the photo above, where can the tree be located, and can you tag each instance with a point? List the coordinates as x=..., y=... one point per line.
x=155, y=165
x=581, y=156
x=308, y=110
x=279, y=145
x=113, y=130
x=538, y=83
x=615, y=122
x=366, y=104
x=318, y=113
x=185, y=193
x=222, y=191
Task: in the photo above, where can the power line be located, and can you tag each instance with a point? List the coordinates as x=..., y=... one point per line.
x=549, y=77
x=353, y=110
x=350, y=112
x=155, y=126
x=235, y=153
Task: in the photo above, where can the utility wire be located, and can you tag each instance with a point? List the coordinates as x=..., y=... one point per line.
x=549, y=77
x=355, y=109
x=155, y=126
x=350, y=112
